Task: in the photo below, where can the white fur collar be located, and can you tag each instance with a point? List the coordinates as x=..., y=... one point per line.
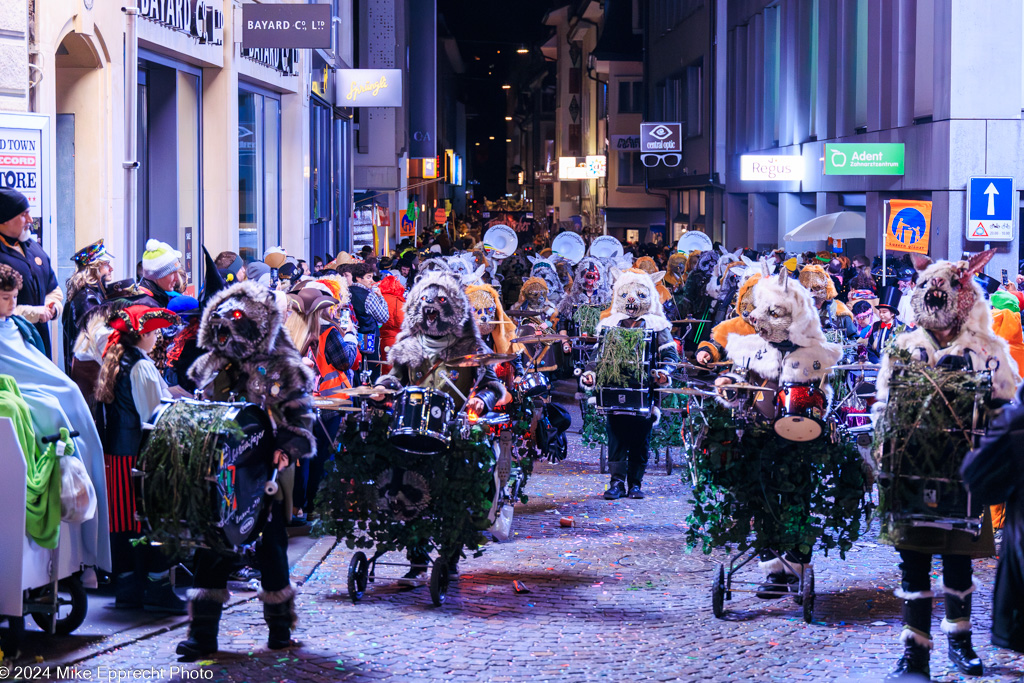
x=652, y=321
x=802, y=364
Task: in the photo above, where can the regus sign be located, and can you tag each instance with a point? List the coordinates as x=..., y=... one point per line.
x=369, y=88
x=771, y=167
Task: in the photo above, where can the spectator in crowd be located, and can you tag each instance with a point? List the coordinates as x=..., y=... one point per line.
x=394, y=294
x=230, y=266
x=864, y=316
x=371, y=312
x=86, y=290
x=40, y=299
x=160, y=266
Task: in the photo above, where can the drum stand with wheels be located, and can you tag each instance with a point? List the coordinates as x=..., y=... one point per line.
x=362, y=571
x=722, y=585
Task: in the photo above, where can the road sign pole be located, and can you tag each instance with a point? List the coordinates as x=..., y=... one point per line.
x=885, y=222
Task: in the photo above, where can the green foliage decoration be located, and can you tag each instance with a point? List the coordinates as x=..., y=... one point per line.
x=587, y=317
x=757, y=490
x=595, y=425
x=620, y=359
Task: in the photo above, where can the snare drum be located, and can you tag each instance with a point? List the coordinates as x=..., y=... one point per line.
x=801, y=408
x=532, y=384
x=631, y=395
x=235, y=442
x=421, y=421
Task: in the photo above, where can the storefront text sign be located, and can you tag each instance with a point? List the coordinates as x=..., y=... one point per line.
x=909, y=226
x=201, y=19
x=21, y=164
x=883, y=158
x=274, y=25
x=369, y=88
x=771, y=167
x=661, y=137
x=285, y=60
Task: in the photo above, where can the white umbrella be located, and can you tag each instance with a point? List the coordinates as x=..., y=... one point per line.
x=843, y=225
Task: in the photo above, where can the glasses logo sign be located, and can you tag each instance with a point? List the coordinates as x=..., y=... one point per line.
x=661, y=138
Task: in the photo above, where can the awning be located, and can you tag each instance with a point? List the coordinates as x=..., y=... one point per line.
x=843, y=225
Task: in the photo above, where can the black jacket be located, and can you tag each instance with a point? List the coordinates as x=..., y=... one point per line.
x=152, y=294
x=121, y=425
x=994, y=473
x=75, y=311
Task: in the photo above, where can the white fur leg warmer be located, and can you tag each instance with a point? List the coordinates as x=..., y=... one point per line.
x=221, y=595
x=919, y=595
x=960, y=594
x=954, y=627
x=277, y=597
x=911, y=636
x=778, y=565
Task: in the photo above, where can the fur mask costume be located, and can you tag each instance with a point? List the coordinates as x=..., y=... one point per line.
x=533, y=296
x=947, y=298
x=636, y=296
x=675, y=274
x=591, y=286
x=737, y=324
x=822, y=289
x=783, y=315
x=545, y=270
x=243, y=327
x=487, y=304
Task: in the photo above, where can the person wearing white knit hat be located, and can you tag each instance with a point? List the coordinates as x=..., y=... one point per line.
x=160, y=265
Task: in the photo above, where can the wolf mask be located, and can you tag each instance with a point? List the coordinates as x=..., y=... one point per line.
x=545, y=270
x=533, y=296
x=436, y=306
x=946, y=293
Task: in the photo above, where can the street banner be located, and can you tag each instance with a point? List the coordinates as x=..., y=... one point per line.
x=406, y=228
x=422, y=80
x=909, y=226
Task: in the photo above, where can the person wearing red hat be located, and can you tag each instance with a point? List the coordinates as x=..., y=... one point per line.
x=129, y=389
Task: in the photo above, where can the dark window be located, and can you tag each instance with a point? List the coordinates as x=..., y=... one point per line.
x=631, y=169
x=631, y=95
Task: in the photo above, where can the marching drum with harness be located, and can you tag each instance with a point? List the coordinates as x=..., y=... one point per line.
x=204, y=474
x=624, y=383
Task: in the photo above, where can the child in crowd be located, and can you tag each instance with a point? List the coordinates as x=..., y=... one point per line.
x=10, y=285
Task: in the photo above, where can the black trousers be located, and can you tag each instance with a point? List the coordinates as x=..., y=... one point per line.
x=917, y=566
x=628, y=441
x=212, y=569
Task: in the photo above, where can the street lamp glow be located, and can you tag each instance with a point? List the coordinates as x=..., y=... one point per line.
x=491, y=137
x=523, y=51
x=508, y=118
x=508, y=139
x=506, y=87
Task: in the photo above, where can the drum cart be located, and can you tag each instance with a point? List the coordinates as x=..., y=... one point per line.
x=724, y=580
x=37, y=581
x=362, y=571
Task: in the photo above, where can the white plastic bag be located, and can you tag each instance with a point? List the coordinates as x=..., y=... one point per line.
x=502, y=526
x=77, y=494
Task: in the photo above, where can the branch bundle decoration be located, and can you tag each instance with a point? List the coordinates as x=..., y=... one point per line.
x=587, y=317
x=595, y=426
x=460, y=485
x=669, y=433
x=926, y=430
x=756, y=490
x=621, y=357
x=180, y=502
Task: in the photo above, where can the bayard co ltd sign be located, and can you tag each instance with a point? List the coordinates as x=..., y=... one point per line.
x=201, y=19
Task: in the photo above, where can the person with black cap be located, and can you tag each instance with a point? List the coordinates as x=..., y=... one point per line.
x=40, y=299
x=888, y=325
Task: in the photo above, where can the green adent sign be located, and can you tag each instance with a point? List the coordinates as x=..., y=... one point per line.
x=881, y=158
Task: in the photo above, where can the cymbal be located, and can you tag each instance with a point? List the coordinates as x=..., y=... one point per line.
x=689, y=321
x=542, y=339
x=335, y=404
x=720, y=363
x=525, y=314
x=585, y=338
x=857, y=366
x=685, y=391
x=364, y=391
x=476, y=360
x=745, y=387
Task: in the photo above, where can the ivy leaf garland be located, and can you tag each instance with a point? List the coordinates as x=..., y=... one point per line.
x=756, y=490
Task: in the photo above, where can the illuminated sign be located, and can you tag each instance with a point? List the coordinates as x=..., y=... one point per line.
x=369, y=88
x=582, y=168
x=430, y=168
x=277, y=25
x=771, y=167
x=197, y=18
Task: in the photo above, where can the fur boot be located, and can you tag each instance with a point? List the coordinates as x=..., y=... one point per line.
x=957, y=627
x=204, y=607
x=279, y=613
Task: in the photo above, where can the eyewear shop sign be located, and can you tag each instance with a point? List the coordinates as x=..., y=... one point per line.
x=864, y=158
x=197, y=18
x=295, y=26
x=661, y=138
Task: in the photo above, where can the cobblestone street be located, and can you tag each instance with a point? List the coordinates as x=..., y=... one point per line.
x=616, y=596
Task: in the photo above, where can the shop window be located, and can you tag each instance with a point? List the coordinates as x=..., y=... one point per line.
x=631, y=169
x=259, y=173
x=631, y=97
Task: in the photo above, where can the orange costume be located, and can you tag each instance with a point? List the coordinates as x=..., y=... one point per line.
x=735, y=325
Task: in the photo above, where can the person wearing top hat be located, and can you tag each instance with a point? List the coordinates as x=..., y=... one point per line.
x=40, y=299
x=888, y=324
x=86, y=290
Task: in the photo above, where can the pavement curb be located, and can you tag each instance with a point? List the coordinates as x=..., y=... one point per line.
x=300, y=573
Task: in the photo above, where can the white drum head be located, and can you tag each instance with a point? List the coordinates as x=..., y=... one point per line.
x=500, y=241
x=606, y=246
x=569, y=246
x=799, y=429
x=694, y=239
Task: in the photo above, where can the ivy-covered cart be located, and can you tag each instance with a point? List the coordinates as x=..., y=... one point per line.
x=756, y=492
x=377, y=497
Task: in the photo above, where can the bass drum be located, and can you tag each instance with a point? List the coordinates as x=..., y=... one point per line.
x=230, y=446
x=421, y=421
x=801, y=410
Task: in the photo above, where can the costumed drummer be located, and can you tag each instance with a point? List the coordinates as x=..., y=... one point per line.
x=250, y=358
x=788, y=347
x=954, y=331
x=439, y=326
x=635, y=305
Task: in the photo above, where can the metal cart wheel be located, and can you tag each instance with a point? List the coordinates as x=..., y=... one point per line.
x=439, y=580
x=358, y=570
x=604, y=459
x=808, y=595
x=72, y=606
x=668, y=461
x=718, y=593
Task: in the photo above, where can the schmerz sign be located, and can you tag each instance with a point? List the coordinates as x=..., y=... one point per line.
x=369, y=88
x=294, y=26
x=197, y=18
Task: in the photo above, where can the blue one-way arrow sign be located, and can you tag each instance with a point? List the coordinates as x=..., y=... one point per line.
x=991, y=209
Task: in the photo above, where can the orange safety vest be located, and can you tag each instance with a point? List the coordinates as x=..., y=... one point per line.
x=332, y=381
